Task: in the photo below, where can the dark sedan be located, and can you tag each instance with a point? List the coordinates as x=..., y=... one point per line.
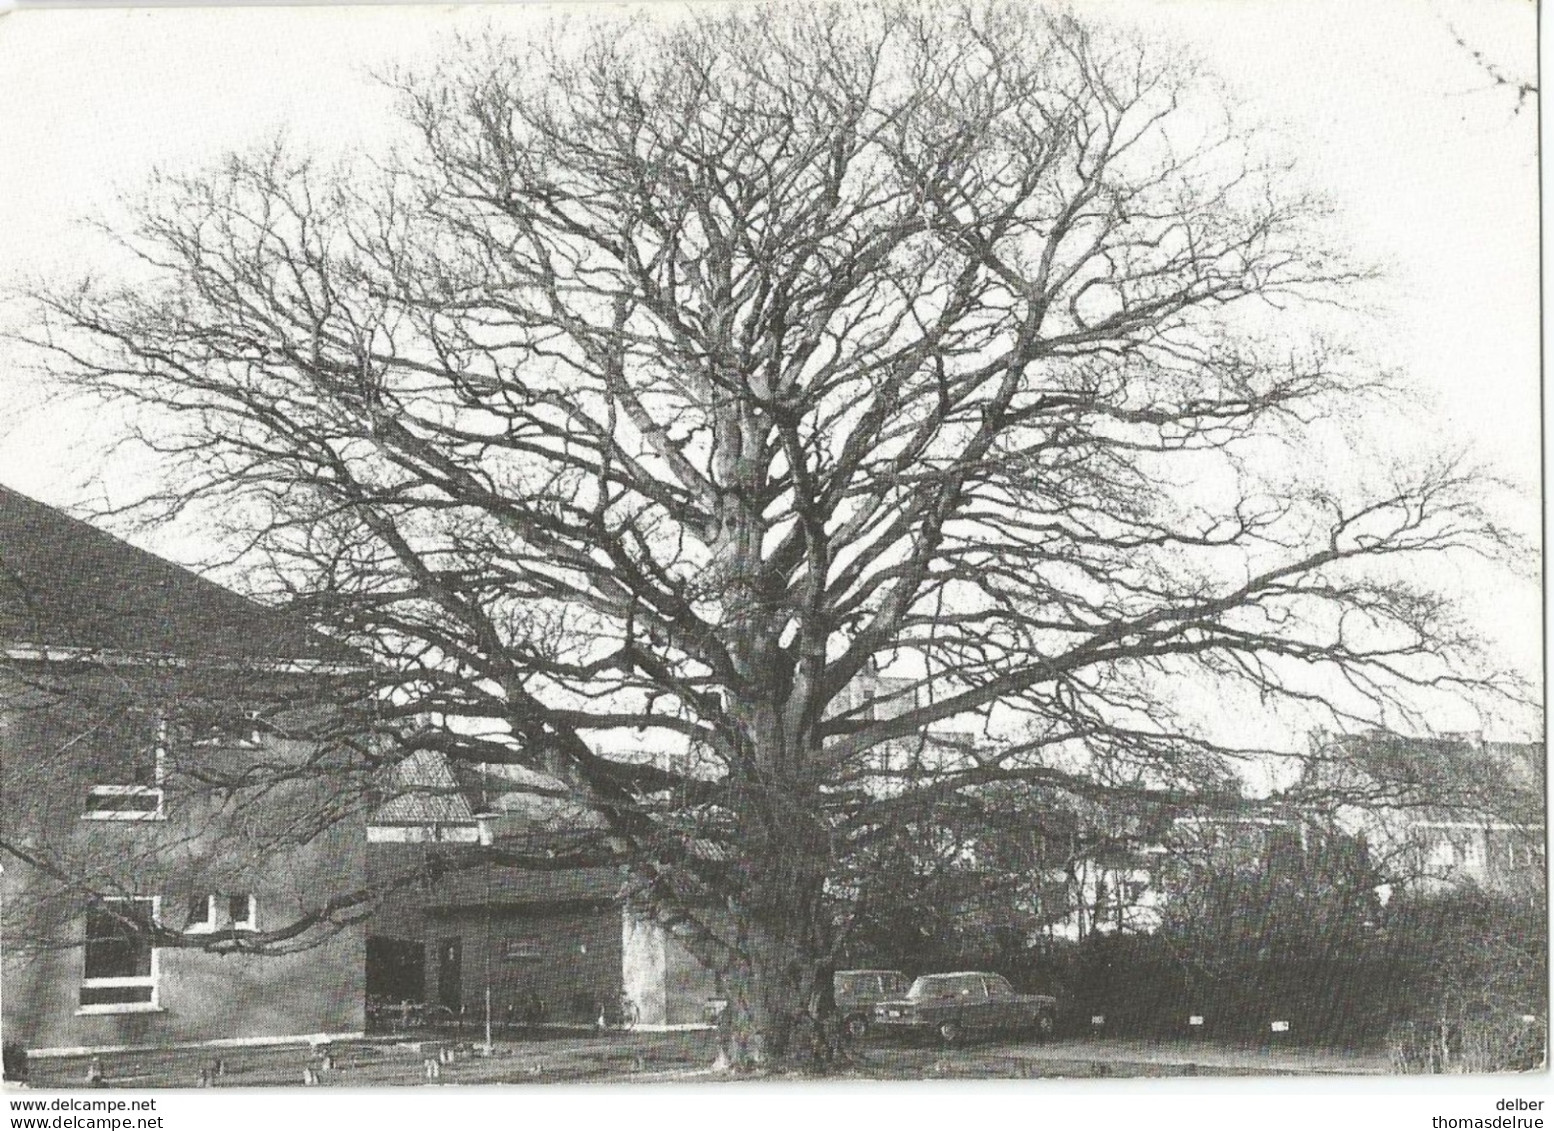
x=953, y=1007
x=856, y=992
x=859, y=991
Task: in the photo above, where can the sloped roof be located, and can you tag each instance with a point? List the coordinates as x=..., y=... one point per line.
x=425, y=792
x=65, y=584
x=1444, y=776
x=528, y=799
x=428, y=789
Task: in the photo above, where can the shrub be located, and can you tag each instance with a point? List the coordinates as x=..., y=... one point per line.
x=15, y=1062
x=1446, y=984
x=1472, y=969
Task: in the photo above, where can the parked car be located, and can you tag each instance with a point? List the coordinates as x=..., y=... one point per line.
x=955, y=1006
x=857, y=992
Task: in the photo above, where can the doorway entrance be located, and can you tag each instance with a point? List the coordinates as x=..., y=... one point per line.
x=396, y=969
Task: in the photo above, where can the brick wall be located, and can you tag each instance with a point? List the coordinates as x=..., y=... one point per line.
x=570, y=957
x=53, y=750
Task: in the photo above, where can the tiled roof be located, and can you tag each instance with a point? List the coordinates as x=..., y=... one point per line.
x=427, y=789
x=425, y=793
x=528, y=800
x=64, y=584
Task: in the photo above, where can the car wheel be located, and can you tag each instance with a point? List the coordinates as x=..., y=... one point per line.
x=950, y=1032
x=1046, y=1024
x=856, y=1027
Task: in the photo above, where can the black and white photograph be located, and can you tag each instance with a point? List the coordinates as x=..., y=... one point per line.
x=784, y=542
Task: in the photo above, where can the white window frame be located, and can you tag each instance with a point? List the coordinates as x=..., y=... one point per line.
x=156, y=812
x=220, y=906
x=252, y=740
x=208, y=924
x=153, y=980
x=249, y=922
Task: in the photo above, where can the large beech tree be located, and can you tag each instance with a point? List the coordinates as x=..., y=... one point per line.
x=682, y=375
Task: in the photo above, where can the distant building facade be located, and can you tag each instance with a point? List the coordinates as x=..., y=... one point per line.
x=1442, y=811
x=1134, y=885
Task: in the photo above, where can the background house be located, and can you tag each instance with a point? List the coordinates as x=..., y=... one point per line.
x=1441, y=812
x=1113, y=890
x=1388, y=811
x=458, y=920
x=168, y=837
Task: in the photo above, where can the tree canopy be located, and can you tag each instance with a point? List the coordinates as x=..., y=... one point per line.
x=863, y=405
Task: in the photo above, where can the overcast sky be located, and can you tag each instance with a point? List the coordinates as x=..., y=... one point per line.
x=1432, y=166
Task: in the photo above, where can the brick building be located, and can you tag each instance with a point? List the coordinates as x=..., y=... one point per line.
x=170, y=844
x=565, y=939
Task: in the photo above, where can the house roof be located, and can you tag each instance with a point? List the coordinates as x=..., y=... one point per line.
x=425, y=792
x=526, y=799
x=65, y=584
x=1444, y=776
x=426, y=789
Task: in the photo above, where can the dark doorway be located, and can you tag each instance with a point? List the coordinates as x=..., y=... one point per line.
x=396, y=969
x=450, y=962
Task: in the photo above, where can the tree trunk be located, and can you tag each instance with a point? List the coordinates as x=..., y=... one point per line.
x=781, y=1014
x=781, y=1010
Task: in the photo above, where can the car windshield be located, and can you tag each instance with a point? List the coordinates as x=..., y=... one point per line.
x=871, y=983
x=935, y=987
x=854, y=984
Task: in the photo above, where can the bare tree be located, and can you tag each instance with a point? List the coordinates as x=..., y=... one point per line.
x=681, y=377
x=1497, y=76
